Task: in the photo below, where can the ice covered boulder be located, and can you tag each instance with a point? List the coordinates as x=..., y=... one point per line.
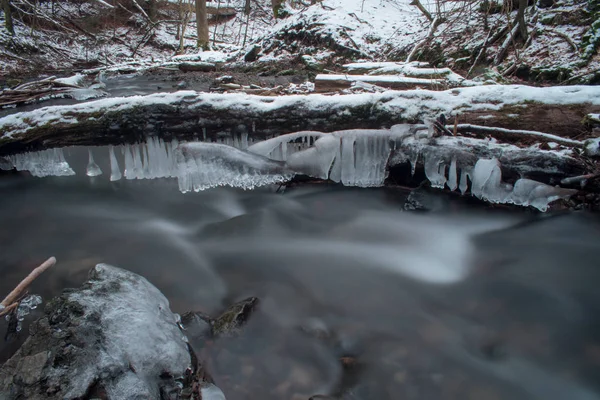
x=113, y=338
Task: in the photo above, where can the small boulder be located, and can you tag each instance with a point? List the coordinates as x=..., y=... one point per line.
x=252, y=53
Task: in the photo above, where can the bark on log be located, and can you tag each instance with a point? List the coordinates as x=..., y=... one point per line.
x=187, y=113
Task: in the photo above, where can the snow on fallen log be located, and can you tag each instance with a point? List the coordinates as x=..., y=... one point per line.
x=411, y=69
x=367, y=67
x=329, y=83
x=184, y=114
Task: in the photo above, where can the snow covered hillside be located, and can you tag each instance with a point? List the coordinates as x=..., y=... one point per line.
x=561, y=43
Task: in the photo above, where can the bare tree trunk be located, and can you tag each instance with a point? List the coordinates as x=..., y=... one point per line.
x=521, y=19
x=247, y=7
x=8, y=21
x=179, y=19
x=426, y=13
x=202, y=24
x=152, y=9
x=276, y=4
x=185, y=19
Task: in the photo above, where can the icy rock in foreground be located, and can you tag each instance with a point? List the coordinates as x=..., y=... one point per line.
x=205, y=165
x=42, y=163
x=116, y=334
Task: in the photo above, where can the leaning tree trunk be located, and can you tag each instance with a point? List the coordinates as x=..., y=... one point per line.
x=202, y=24
x=152, y=10
x=521, y=19
x=277, y=5
x=8, y=21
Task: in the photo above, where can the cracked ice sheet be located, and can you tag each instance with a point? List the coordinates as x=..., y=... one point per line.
x=413, y=104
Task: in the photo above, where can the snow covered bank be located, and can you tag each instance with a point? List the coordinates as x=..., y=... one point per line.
x=185, y=114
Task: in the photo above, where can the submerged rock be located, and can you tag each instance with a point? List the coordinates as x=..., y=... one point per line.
x=200, y=327
x=113, y=338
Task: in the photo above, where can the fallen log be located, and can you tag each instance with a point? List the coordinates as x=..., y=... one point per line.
x=197, y=67
x=221, y=11
x=555, y=110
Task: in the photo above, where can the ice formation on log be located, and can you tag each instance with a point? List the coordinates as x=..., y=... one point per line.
x=486, y=184
x=353, y=158
x=150, y=160
x=359, y=157
x=42, y=163
x=205, y=165
x=280, y=147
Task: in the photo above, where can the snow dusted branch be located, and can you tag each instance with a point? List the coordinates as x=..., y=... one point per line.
x=504, y=48
x=136, y=4
x=436, y=22
x=105, y=4
x=426, y=13
x=502, y=133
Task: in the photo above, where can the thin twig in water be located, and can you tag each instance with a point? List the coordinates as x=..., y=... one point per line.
x=11, y=300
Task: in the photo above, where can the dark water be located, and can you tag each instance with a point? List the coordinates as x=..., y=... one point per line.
x=452, y=304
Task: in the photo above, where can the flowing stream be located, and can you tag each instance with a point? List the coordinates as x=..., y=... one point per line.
x=462, y=302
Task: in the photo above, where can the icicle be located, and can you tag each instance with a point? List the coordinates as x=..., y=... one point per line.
x=92, y=168
x=115, y=171
x=414, y=158
x=452, y=176
x=464, y=183
x=138, y=168
x=253, y=127
x=129, y=168
x=6, y=164
x=487, y=181
x=244, y=141
x=42, y=163
x=146, y=161
x=435, y=171
x=204, y=133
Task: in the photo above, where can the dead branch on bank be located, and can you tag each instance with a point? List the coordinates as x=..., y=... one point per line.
x=515, y=134
x=34, y=91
